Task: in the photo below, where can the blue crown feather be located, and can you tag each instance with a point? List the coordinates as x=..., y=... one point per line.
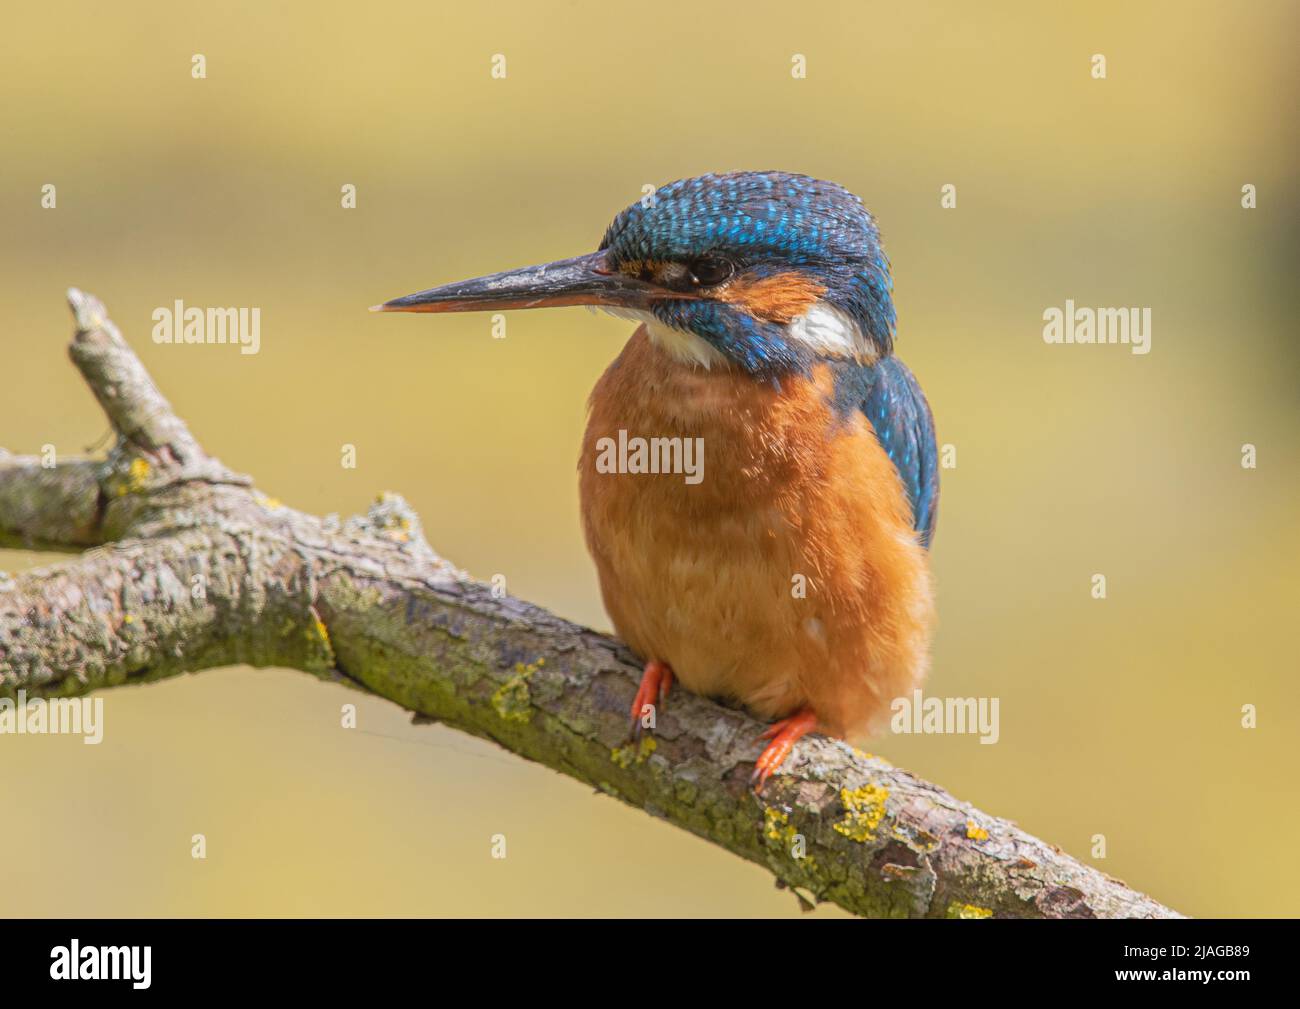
x=764, y=222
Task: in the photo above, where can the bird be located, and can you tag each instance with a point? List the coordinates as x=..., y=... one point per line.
x=791, y=573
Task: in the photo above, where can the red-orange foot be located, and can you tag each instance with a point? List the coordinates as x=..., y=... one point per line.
x=656, y=681
x=783, y=733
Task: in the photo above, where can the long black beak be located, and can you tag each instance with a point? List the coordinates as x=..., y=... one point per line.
x=583, y=280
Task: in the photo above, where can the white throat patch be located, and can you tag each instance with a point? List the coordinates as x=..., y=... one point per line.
x=679, y=344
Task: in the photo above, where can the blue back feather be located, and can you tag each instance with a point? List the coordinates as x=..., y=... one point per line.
x=890, y=397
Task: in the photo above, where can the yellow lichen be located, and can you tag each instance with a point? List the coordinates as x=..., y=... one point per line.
x=318, y=636
x=959, y=910
x=322, y=632
x=137, y=477
x=271, y=503
x=864, y=755
x=773, y=821
x=781, y=833
x=864, y=808
x=512, y=700
x=975, y=832
x=638, y=753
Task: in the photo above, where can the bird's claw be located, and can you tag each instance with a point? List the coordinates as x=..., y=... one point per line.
x=783, y=734
x=656, y=681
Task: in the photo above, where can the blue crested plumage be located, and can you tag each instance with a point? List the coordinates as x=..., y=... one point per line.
x=761, y=225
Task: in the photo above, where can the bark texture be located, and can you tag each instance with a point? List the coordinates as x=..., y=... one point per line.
x=191, y=567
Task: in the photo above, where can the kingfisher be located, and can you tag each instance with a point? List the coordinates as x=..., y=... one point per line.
x=791, y=574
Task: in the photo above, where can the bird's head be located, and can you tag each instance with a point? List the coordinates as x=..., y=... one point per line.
x=764, y=271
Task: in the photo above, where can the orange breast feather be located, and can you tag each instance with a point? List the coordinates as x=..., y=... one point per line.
x=788, y=575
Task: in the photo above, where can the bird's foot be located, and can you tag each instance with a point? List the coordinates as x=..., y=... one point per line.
x=656, y=681
x=783, y=734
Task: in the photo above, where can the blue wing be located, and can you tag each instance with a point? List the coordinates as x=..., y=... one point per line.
x=888, y=394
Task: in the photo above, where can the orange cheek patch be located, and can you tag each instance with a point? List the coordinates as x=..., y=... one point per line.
x=778, y=298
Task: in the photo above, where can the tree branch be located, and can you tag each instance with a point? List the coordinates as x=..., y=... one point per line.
x=201, y=570
x=48, y=507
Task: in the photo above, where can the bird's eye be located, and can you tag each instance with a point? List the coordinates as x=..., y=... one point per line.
x=710, y=270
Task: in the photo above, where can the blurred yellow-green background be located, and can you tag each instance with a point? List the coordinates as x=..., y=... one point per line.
x=1119, y=717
